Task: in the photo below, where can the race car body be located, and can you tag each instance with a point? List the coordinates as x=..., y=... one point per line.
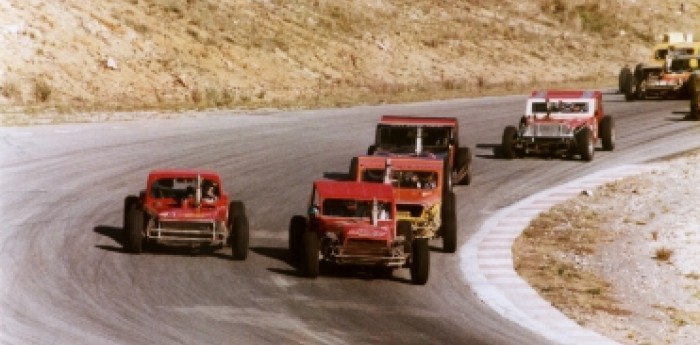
x=667, y=81
x=419, y=135
x=185, y=207
x=672, y=44
x=560, y=123
x=354, y=223
x=422, y=197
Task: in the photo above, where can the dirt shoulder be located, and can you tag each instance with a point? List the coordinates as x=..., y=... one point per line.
x=623, y=261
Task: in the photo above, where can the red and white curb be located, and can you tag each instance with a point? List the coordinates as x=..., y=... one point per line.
x=487, y=263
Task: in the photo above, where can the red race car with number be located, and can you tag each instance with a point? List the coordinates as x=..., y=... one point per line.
x=186, y=208
x=354, y=224
x=421, y=135
x=561, y=123
x=422, y=196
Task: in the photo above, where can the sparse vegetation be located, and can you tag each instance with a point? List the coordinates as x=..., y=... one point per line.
x=663, y=254
x=543, y=256
x=317, y=53
x=42, y=90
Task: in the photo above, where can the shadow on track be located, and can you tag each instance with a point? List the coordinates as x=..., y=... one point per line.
x=495, y=149
x=337, y=176
x=327, y=270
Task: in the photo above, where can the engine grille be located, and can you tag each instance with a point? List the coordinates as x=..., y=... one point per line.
x=361, y=247
x=547, y=130
x=186, y=231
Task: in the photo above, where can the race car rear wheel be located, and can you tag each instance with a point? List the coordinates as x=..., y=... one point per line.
x=135, y=240
x=403, y=228
x=607, y=133
x=236, y=208
x=449, y=223
x=310, y=252
x=446, y=175
x=464, y=157
x=297, y=226
x=694, y=89
x=420, y=261
x=510, y=136
x=353, y=170
x=625, y=72
x=371, y=149
x=584, y=144
x=240, y=237
x=128, y=201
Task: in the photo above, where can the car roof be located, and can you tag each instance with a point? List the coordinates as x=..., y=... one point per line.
x=569, y=94
x=330, y=189
x=416, y=163
x=179, y=172
x=418, y=120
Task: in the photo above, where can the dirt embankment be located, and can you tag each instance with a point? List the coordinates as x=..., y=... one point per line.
x=136, y=54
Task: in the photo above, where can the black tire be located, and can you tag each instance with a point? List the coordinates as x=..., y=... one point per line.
x=310, y=253
x=235, y=208
x=637, y=80
x=463, y=162
x=297, y=227
x=371, y=149
x=639, y=72
x=128, y=201
x=135, y=234
x=584, y=144
x=694, y=89
x=625, y=74
x=607, y=133
x=447, y=184
x=240, y=238
x=353, y=169
x=630, y=90
x=510, y=136
x=403, y=227
x=420, y=261
x=449, y=223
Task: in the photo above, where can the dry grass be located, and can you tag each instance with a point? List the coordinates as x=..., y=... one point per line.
x=545, y=256
x=663, y=254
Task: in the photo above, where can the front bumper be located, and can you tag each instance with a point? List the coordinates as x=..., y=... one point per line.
x=188, y=232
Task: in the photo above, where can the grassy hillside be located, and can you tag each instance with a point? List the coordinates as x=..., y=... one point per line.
x=135, y=54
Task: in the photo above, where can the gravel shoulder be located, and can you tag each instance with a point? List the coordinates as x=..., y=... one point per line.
x=622, y=259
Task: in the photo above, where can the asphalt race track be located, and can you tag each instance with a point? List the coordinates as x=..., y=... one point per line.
x=65, y=278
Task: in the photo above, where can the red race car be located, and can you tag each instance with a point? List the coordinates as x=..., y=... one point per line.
x=422, y=196
x=354, y=223
x=424, y=135
x=561, y=123
x=185, y=207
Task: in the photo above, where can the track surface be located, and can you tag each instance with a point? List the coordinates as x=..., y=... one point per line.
x=65, y=279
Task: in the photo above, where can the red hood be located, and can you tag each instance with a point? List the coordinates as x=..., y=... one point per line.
x=357, y=229
x=575, y=122
x=424, y=197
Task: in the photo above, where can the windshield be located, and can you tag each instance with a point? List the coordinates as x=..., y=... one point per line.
x=403, y=179
x=177, y=188
x=559, y=107
x=402, y=139
x=406, y=179
x=679, y=65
